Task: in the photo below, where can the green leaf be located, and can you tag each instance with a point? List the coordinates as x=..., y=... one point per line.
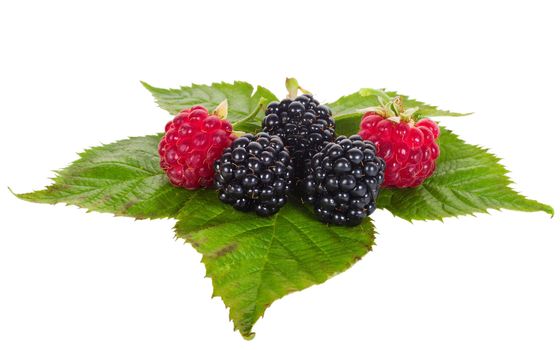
x=123, y=178
x=254, y=261
x=467, y=180
x=348, y=124
x=242, y=98
x=252, y=123
x=369, y=97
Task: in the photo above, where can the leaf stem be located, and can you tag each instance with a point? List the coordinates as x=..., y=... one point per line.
x=253, y=114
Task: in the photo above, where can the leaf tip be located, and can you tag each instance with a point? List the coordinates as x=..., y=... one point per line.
x=248, y=336
x=146, y=85
x=152, y=89
x=12, y=192
x=549, y=210
x=23, y=196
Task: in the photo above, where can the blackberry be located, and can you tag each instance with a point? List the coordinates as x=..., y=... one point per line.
x=303, y=124
x=255, y=173
x=343, y=180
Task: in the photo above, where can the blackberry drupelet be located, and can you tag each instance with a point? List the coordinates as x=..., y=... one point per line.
x=255, y=173
x=303, y=124
x=343, y=180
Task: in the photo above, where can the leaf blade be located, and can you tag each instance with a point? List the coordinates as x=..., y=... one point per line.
x=365, y=98
x=122, y=178
x=243, y=99
x=254, y=261
x=467, y=180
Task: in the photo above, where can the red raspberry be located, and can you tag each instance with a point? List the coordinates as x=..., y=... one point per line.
x=409, y=150
x=193, y=140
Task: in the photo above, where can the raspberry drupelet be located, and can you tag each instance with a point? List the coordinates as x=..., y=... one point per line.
x=193, y=140
x=409, y=148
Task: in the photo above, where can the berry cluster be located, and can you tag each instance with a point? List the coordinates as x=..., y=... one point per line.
x=340, y=177
x=409, y=150
x=343, y=180
x=255, y=173
x=303, y=124
x=193, y=140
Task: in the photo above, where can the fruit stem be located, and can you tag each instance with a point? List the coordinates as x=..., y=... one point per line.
x=293, y=86
x=391, y=108
x=382, y=97
x=397, y=105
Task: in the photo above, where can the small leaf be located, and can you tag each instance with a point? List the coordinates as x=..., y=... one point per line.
x=254, y=261
x=350, y=104
x=221, y=110
x=242, y=99
x=123, y=178
x=467, y=180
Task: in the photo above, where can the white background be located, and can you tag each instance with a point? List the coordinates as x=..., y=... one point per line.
x=69, y=79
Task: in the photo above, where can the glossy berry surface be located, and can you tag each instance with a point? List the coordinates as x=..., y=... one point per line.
x=255, y=173
x=303, y=124
x=409, y=150
x=193, y=140
x=343, y=181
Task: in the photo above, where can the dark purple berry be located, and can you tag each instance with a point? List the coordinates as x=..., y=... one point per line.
x=343, y=180
x=255, y=173
x=303, y=124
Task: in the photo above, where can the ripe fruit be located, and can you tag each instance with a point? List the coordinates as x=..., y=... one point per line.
x=409, y=149
x=303, y=124
x=343, y=180
x=255, y=173
x=193, y=140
